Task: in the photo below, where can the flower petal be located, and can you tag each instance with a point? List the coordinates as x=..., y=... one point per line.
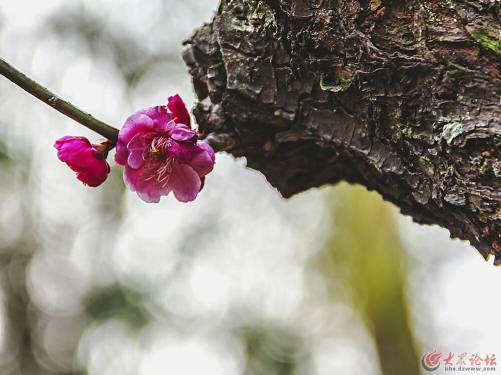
x=180, y=151
x=184, y=182
x=158, y=114
x=203, y=159
x=144, y=183
x=140, y=141
x=95, y=175
x=137, y=147
x=135, y=159
x=135, y=124
x=182, y=133
x=178, y=110
x=74, y=151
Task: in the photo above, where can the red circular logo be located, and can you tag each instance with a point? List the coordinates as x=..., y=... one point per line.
x=431, y=361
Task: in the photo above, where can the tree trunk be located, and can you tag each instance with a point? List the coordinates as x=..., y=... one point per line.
x=400, y=96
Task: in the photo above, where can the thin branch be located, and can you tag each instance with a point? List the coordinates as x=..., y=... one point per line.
x=63, y=106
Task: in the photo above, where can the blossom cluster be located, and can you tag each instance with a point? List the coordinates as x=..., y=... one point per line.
x=158, y=149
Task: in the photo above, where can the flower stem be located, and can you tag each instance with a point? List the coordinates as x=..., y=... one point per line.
x=63, y=106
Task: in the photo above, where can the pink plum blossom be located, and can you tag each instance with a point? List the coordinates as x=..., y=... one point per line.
x=160, y=153
x=86, y=159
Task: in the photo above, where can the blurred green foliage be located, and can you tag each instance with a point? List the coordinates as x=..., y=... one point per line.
x=364, y=252
x=4, y=155
x=115, y=302
x=131, y=58
x=271, y=350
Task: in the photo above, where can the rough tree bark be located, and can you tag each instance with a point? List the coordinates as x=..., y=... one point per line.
x=400, y=96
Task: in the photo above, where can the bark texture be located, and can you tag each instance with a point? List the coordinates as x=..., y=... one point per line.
x=400, y=96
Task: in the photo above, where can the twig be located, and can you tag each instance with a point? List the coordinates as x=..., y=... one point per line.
x=63, y=106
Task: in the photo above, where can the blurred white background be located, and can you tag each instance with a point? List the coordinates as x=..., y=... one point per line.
x=96, y=281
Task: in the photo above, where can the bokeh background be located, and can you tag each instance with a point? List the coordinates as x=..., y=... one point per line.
x=242, y=281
